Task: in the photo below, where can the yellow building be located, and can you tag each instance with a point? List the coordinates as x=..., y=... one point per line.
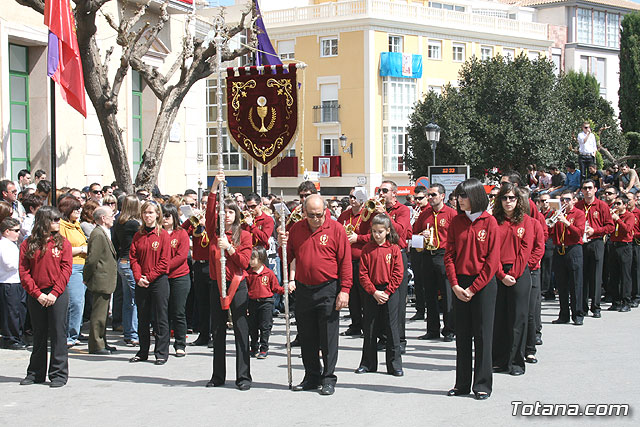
x=342, y=43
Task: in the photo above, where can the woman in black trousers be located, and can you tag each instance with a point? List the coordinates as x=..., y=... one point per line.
x=472, y=258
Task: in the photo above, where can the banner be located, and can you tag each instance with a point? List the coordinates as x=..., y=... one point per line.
x=266, y=54
x=405, y=65
x=262, y=110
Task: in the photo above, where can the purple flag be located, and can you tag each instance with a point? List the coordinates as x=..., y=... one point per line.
x=264, y=44
x=53, y=55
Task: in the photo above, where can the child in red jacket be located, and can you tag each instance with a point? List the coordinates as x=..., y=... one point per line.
x=261, y=283
x=381, y=272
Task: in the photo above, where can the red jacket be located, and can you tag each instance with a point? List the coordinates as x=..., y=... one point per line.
x=428, y=216
x=149, y=254
x=599, y=216
x=636, y=227
x=263, y=284
x=261, y=230
x=362, y=229
x=571, y=235
x=537, y=252
x=179, y=241
x=49, y=271
x=516, y=246
x=473, y=249
x=381, y=265
x=200, y=251
x=538, y=216
x=321, y=255
x=401, y=219
x=623, y=229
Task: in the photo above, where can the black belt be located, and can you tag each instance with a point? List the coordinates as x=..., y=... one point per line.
x=328, y=282
x=435, y=252
x=593, y=239
x=201, y=261
x=620, y=244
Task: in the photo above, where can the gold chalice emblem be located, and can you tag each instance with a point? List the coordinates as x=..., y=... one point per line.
x=262, y=111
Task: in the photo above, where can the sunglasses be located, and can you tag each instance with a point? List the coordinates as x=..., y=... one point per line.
x=463, y=196
x=566, y=199
x=432, y=194
x=383, y=190
x=352, y=197
x=315, y=216
x=16, y=230
x=191, y=204
x=418, y=198
x=609, y=193
x=509, y=198
x=586, y=127
x=492, y=196
x=618, y=203
x=96, y=191
x=167, y=215
x=303, y=195
x=588, y=187
x=252, y=206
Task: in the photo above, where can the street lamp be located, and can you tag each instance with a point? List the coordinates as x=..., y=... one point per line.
x=432, y=132
x=343, y=143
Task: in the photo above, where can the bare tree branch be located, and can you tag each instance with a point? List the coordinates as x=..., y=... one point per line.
x=37, y=5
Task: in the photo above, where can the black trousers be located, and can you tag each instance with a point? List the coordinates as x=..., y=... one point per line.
x=13, y=311
x=385, y=314
x=417, y=266
x=238, y=307
x=510, y=322
x=179, y=288
x=318, y=324
x=593, y=261
x=153, y=302
x=620, y=261
x=568, y=271
x=203, y=286
x=584, y=160
x=402, y=297
x=606, y=269
x=534, y=317
x=49, y=323
x=474, y=322
x=546, y=270
x=260, y=323
x=635, y=271
x=355, y=303
x=436, y=280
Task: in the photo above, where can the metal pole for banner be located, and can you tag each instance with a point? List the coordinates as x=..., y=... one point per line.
x=219, y=25
x=285, y=280
x=54, y=151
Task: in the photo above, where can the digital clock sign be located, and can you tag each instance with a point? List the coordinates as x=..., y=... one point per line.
x=448, y=176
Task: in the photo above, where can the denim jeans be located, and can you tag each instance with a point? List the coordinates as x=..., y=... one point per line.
x=76, y=290
x=129, y=309
x=274, y=265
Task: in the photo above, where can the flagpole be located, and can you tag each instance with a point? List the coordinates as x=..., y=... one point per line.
x=52, y=137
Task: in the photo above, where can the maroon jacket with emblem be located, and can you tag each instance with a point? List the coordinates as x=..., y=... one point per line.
x=179, y=241
x=263, y=284
x=51, y=270
x=599, y=216
x=362, y=229
x=573, y=234
x=516, y=246
x=428, y=216
x=261, y=230
x=149, y=254
x=381, y=265
x=623, y=229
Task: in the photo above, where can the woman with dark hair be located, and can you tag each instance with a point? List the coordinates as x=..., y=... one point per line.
x=86, y=217
x=514, y=280
x=45, y=268
x=70, y=229
x=236, y=244
x=6, y=210
x=149, y=257
x=179, y=278
x=471, y=259
x=31, y=204
x=123, y=231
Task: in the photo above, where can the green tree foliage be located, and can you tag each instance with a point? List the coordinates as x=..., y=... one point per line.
x=629, y=93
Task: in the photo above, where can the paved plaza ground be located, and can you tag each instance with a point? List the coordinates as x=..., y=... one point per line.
x=594, y=363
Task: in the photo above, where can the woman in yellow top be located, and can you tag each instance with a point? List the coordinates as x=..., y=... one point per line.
x=70, y=228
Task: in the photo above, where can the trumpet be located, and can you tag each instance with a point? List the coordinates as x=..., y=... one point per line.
x=370, y=207
x=197, y=221
x=430, y=243
x=296, y=215
x=551, y=221
x=416, y=214
x=349, y=228
x=244, y=216
x=492, y=203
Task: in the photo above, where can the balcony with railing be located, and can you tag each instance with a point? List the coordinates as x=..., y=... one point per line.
x=405, y=13
x=326, y=113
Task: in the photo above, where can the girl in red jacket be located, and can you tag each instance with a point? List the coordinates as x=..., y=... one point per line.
x=261, y=283
x=381, y=271
x=471, y=260
x=514, y=280
x=149, y=257
x=45, y=267
x=236, y=244
x=179, y=278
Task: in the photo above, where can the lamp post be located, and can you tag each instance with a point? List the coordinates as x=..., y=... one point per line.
x=343, y=143
x=432, y=132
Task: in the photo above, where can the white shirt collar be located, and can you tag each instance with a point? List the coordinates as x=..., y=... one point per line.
x=473, y=216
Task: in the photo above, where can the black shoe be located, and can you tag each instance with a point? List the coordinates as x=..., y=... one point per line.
x=531, y=359
x=633, y=304
x=559, y=321
x=103, y=352
x=327, y=389
x=295, y=342
x=449, y=338
x=614, y=307
x=624, y=308
x=214, y=382
x=111, y=348
x=15, y=346
x=596, y=314
x=516, y=372
x=499, y=369
x=482, y=396
x=243, y=386
x=57, y=383
x=201, y=341
x=361, y=370
x=306, y=386
x=456, y=392
x=83, y=338
x=29, y=380
x=137, y=358
x=160, y=362
x=578, y=321
x=538, y=341
x=350, y=332
x=429, y=336
x=381, y=345
x=253, y=353
x=417, y=316
x=131, y=342
x=549, y=297
x=397, y=373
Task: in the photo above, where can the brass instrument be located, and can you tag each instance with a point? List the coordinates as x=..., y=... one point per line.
x=370, y=207
x=296, y=215
x=551, y=221
x=244, y=215
x=585, y=238
x=416, y=214
x=349, y=228
x=198, y=224
x=492, y=203
x=430, y=243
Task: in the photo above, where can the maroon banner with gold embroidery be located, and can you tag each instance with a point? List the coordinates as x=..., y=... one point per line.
x=262, y=110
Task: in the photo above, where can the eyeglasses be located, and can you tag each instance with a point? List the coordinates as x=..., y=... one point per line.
x=252, y=206
x=352, y=196
x=509, y=198
x=111, y=203
x=14, y=191
x=96, y=191
x=315, y=216
x=418, y=198
x=432, y=194
x=566, y=199
x=303, y=195
x=586, y=127
x=618, y=203
x=16, y=230
x=463, y=196
x=609, y=193
x=588, y=187
x=383, y=190
x=491, y=196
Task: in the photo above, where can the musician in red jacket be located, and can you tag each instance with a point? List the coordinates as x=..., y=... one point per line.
x=598, y=223
x=635, y=247
x=535, y=297
x=262, y=283
x=236, y=244
x=567, y=235
x=381, y=271
x=514, y=280
x=320, y=273
x=45, y=268
x=258, y=223
x=621, y=255
x=149, y=256
x=179, y=277
x=472, y=258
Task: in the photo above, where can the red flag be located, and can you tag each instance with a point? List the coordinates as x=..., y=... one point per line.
x=68, y=72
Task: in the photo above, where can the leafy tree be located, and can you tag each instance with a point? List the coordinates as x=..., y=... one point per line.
x=629, y=93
